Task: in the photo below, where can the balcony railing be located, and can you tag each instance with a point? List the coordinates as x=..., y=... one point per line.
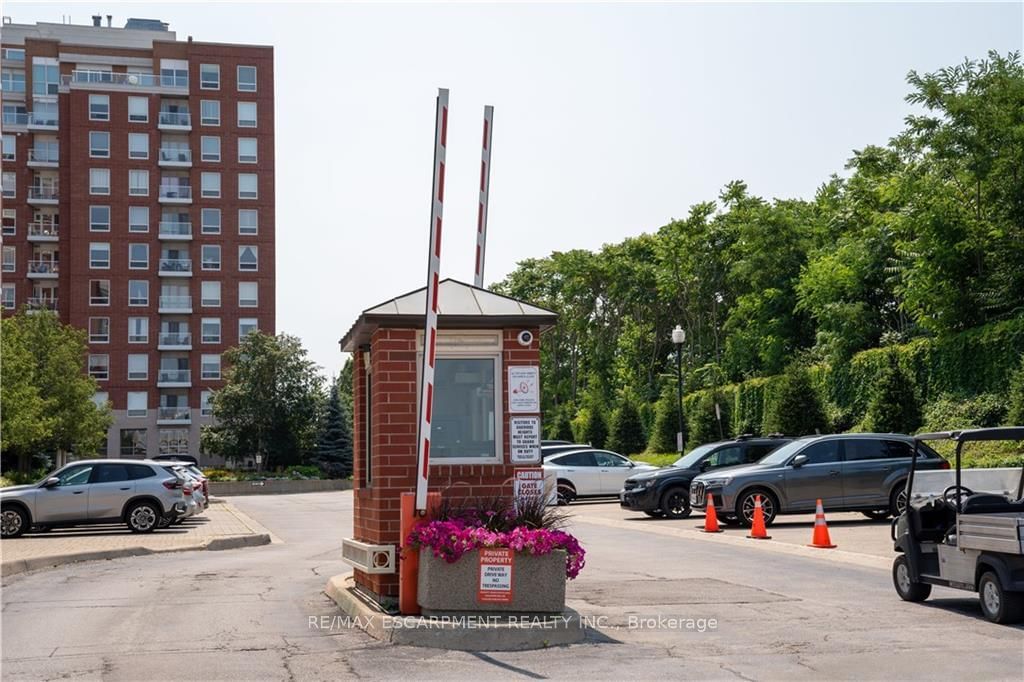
x=175, y=265
x=11, y=118
x=43, y=267
x=44, y=119
x=174, y=414
x=174, y=376
x=176, y=302
x=44, y=155
x=175, y=155
x=126, y=80
x=175, y=118
x=174, y=229
x=41, y=303
x=43, y=192
x=175, y=192
x=43, y=229
x=175, y=339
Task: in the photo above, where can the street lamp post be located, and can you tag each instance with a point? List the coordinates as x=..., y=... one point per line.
x=679, y=338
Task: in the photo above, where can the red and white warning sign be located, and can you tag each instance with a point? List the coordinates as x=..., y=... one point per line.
x=524, y=389
x=496, y=566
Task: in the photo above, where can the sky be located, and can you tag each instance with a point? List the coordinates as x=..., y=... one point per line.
x=610, y=120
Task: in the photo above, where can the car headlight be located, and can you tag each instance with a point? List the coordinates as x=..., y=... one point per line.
x=719, y=481
x=643, y=485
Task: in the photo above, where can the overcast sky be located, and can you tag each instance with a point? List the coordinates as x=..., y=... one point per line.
x=610, y=120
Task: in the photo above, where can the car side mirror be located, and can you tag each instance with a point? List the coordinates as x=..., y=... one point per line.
x=705, y=465
x=799, y=461
x=51, y=482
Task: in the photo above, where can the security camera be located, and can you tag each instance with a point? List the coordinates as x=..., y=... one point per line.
x=525, y=337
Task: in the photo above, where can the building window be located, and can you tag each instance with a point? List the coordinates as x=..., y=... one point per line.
x=7, y=296
x=14, y=54
x=9, y=180
x=99, y=292
x=248, y=295
x=209, y=149
x=211, y=220
x=210, y=185
x=99, y=367
x=138, y=183
x=211, y=367
x=12, y=81
x=211, y=257
x=173, y=73
x=10, y=259
x=15, y=114
x=133, y=442
x=209, y=76
x=248, y=260
x=466, y=426
x=137, y=403
x=138, y=367
x=45, y=79
x=138, y=145
x=247, y=114
x=246, y=326
x=99, y=181
x=99, y=144
x=9, y=149
x=211, y=330
x=247, y=150
x=247, y=79
x=138, y=330
x=205, y=404
x=138, y=218
x=138, y=292
x=174, y=441
x=209, y=112
x=138, y=256
x=99, y=255
x=99, y=107
x=248, y=221
x=99, y=219
x=138, y=109
x=210, y=294
x=99, y=330
x=9, y=224
x=247, y=186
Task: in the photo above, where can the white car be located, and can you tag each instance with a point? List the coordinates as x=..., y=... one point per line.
x=591, y=473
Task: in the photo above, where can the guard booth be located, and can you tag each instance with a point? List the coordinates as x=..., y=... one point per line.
x=487, y=385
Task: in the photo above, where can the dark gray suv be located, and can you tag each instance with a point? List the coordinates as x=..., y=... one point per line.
x=863, y=472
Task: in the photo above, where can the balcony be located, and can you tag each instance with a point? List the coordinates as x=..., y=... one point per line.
x=171, y=157
x=43, y=157
x=40, y=231
x=36, y=304
x=42, y=121
x=174, y=120
x=175, y=304
x=175, y=267
x=14, y=122
x=174, y=378
x=174, y=415
x=175, y=194
x=43, y=195
x=43, y=269
x=108, y=80
x=174, y=231
x=174, y=341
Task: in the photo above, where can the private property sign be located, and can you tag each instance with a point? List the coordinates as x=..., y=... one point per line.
x=496, y=565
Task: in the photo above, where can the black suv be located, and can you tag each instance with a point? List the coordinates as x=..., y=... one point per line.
x=665, y=492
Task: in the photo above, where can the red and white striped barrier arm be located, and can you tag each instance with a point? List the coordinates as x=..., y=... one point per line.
x=433, y=281
x=485, y=189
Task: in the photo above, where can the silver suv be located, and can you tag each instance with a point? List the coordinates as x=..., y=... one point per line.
x=136, y=492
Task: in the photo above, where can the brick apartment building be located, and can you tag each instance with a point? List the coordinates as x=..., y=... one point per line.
x=138, y=203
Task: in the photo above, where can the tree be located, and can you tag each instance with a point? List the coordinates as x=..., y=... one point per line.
x=45, y=381
x=627, y=433
x=1015, y=414
x=893, y=406
x=270, y=404
x=334, y=442
x=705, y=426
x=794, y=408
x=562, y=428
x=666, y=424
x=595, y=429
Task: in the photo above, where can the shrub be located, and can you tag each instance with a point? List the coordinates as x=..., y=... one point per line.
x=793, y=407
x=704, y=423
x=562, y=427
x=595, y=429
x=893, y=406
x=950, y=413
x=1015, y=413
x=627, y=433
x=666, y=425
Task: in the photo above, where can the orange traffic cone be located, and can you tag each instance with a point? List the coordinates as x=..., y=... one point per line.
x=820, y=538
x=710, y=517
x=757, y=529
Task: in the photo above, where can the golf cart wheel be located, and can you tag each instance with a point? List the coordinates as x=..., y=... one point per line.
x=877, y=514
x=566, y=493
x=898, y=499
x=998, y=605
x=904, y=583
x=656, y=514
x=675, y=503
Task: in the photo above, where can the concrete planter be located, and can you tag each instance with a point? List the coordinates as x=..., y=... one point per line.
x=538, y=584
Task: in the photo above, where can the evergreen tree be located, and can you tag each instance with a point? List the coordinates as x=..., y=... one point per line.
x=562, y=428
x=1015, y=415
x=595, y=429
x=334, y=442
x=627, y=432
x=703, y=420
x=893, y=407
x=794, y=409
x=666, y=425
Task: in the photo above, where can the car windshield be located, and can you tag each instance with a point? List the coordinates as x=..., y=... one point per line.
x=691, y=458
x=783, y=453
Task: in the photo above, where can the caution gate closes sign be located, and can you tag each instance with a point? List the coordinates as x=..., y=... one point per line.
x=496, y=564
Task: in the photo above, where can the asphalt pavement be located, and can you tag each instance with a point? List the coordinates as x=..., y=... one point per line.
x=660, y=606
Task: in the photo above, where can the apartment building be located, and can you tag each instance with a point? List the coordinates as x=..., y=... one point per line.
x=138, y=203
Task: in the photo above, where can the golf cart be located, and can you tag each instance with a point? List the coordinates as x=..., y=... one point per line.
x=964, y=529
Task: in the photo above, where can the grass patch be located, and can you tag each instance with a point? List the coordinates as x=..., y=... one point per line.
x=656, y=459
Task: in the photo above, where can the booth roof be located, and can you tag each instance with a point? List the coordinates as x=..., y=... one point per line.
x=460, y=305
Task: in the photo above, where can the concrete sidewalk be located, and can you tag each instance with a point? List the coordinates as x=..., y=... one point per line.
x=222, y=526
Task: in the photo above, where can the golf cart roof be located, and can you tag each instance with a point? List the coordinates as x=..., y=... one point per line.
x=997, y=433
